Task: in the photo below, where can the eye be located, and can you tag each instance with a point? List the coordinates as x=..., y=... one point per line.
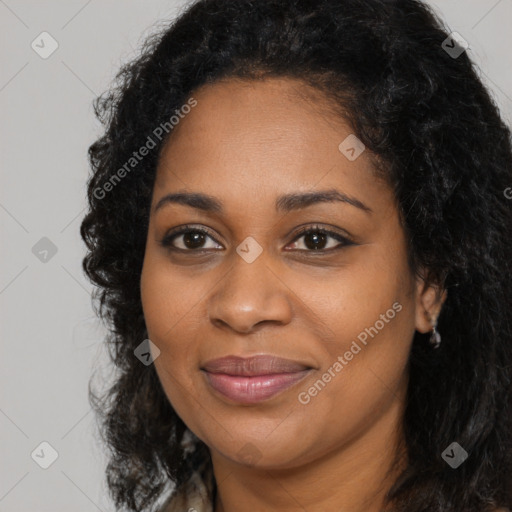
x=192, y=239
x=316, y=239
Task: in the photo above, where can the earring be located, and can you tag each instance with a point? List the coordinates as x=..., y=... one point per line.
x=435, y=337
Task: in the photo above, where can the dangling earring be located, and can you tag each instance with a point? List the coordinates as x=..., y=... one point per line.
x=435, y=337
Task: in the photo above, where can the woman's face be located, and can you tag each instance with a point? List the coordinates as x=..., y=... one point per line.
x=342, y=306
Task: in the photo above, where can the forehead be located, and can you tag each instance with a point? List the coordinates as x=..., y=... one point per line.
x=249, y=142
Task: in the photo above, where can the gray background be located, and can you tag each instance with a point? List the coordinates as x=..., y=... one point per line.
x=51, y=342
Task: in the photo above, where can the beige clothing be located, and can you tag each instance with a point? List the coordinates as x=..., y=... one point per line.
x=195, y=495
x=198, y=492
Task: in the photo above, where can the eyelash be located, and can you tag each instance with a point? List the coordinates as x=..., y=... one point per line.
x=169, y=238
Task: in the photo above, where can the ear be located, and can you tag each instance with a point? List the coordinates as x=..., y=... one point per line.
x=429, y=301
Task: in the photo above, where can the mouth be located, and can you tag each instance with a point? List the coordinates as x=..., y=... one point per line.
x=252, y=380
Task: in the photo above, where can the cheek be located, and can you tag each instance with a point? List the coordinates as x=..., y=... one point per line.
x=169, y=301
x=351, y=299
x=168, y=314
x=368, y=313
x=364, y=363
x=368, y=342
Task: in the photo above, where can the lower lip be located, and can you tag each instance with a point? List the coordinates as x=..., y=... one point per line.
x=250, y=390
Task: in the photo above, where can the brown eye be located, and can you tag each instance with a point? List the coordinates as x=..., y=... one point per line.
x=317, y=239
x=192, y=239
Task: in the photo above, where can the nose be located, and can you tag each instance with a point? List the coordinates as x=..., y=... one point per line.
x=249, y=296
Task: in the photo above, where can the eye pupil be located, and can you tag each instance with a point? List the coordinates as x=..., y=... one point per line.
x=314, y=236
x=193, y=239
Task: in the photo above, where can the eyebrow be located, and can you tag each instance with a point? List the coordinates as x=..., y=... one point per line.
x=284, y=203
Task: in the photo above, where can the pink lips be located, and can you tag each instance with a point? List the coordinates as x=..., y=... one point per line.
x=251, y=380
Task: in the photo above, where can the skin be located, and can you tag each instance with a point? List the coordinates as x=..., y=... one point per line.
x=246, y=143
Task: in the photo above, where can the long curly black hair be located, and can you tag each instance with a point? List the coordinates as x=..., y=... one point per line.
x=444, y=149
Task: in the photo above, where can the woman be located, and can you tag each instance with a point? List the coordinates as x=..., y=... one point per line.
x=300, y=231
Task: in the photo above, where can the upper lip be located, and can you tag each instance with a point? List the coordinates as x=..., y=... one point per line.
x=255, y=365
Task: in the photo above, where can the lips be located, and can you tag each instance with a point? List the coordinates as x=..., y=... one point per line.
x=252, y=366
x=254, y=379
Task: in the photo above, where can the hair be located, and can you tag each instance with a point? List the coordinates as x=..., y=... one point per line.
x=442, y=146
